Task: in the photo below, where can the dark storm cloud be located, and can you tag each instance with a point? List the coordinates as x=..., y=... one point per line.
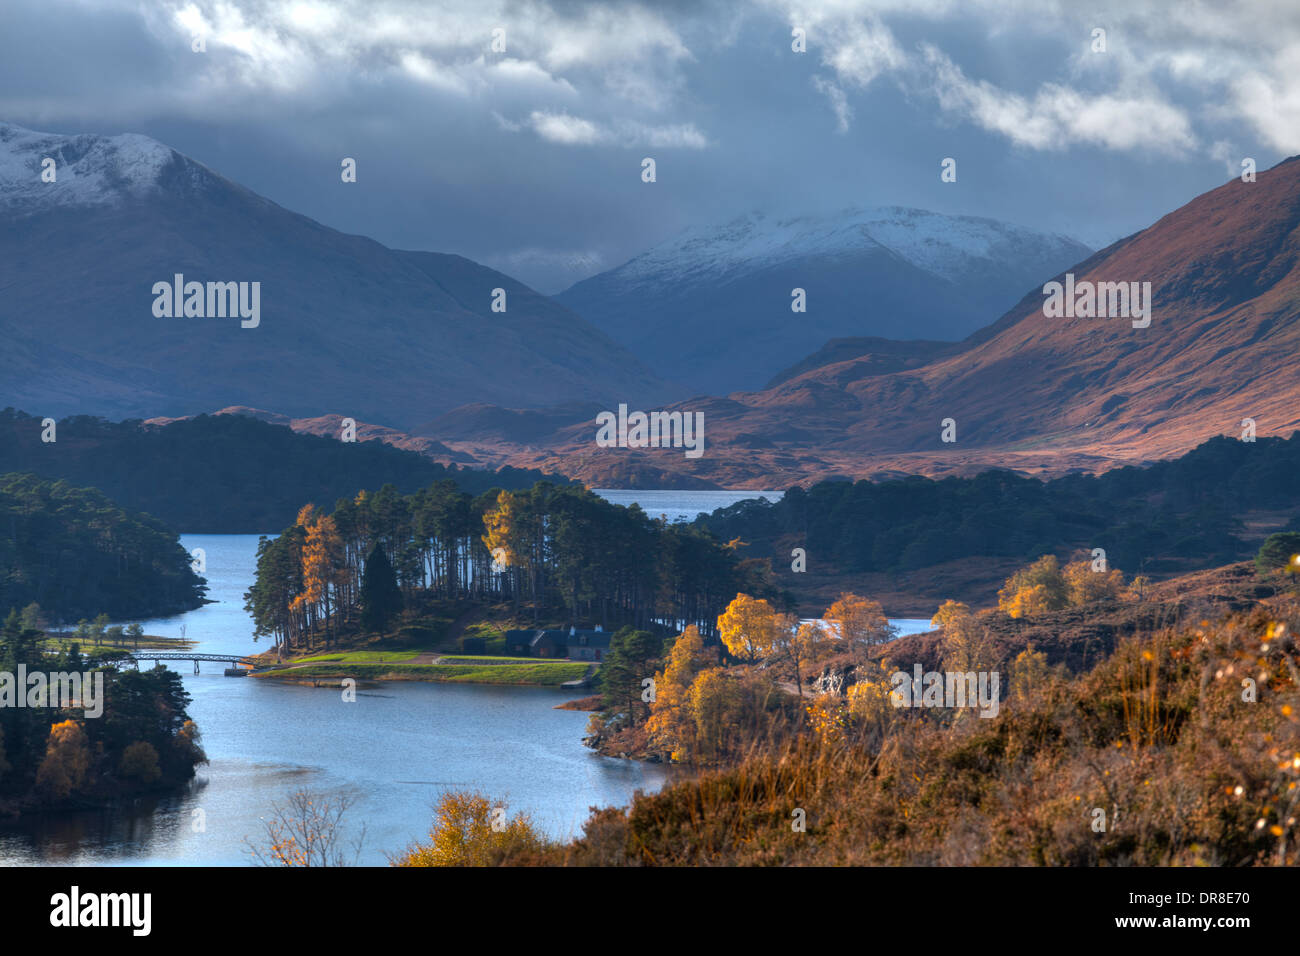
x=529, y=160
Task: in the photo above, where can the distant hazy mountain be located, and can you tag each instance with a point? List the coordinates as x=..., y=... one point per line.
x=712, y=307
x=347, y=326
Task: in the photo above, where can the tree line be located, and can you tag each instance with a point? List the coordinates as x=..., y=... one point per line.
x=552, y=550
x=1171, y=516
x=76, y=554
x=198, y=474
x=52, y=756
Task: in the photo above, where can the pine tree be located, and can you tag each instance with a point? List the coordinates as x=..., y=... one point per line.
x=381, y=598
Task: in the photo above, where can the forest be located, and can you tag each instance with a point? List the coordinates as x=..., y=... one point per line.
x=223, y=474
x=1166, y=517
x=52, y=757
x=555, y=551
x=77, y=554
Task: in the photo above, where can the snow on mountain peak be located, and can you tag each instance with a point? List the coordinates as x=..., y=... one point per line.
x=947, y=246
x=89, y=170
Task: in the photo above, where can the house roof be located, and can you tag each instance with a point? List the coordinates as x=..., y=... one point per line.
x=561, y=638
x=586, y=638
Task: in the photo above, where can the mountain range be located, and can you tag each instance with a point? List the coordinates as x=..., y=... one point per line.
x=347, y=326
x=408, y=344
x=713, y=307
x=1043, y=395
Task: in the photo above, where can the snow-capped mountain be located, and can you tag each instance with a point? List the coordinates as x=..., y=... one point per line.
x=948, y=246
x=87, y=170
x=344, y=324
x=1042, y=394
x=889, y=272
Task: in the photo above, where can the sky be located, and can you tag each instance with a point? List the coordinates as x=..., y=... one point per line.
x=522, y=149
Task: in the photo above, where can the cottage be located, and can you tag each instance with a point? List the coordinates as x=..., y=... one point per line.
x=535, y=643
x=577, y=645
x=587, y=645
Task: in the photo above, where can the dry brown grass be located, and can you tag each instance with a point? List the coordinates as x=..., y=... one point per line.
x=1157, y=736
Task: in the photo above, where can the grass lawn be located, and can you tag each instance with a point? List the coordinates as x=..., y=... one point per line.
x=360, y=657
x=546, y=674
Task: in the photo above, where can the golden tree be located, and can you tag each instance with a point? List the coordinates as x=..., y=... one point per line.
x=869, y=700
x=815, y=643
x=67, y=759
x=671, y=724
x=804, y=643
x=949, y=613
x=1036, y=589
x=967, y=645
x=501, y=535
x=1086, y=585
x=749, y=627
x=713, y=702
x=469, y=830
x=827, y=716
x=323, y=566
x=859, y=622
x=512, y=538
x=1029, y=672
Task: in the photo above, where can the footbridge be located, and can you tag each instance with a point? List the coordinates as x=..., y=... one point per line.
x=231, y=660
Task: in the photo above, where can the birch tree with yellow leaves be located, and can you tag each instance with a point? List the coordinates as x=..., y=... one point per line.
x=748, y=627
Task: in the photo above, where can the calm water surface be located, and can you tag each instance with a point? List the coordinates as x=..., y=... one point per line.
x=682, y=505
x=397, y=748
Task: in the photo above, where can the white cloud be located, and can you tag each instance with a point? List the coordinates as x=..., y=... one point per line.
x=839, y=102
x=432, y=73
x=566, y=129
x=527, y=73
x=1268, y=96
x=619, y=65
x=575, y=131
x=1175, y=75
x=1226, y=153
x=1058, y=116
x=863, y=51
x=1166, y=67
x=508, y=125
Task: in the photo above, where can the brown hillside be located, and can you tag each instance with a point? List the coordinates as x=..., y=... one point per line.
x=1042, y=395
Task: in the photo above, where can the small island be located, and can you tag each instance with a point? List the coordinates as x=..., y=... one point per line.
x=506, y=587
